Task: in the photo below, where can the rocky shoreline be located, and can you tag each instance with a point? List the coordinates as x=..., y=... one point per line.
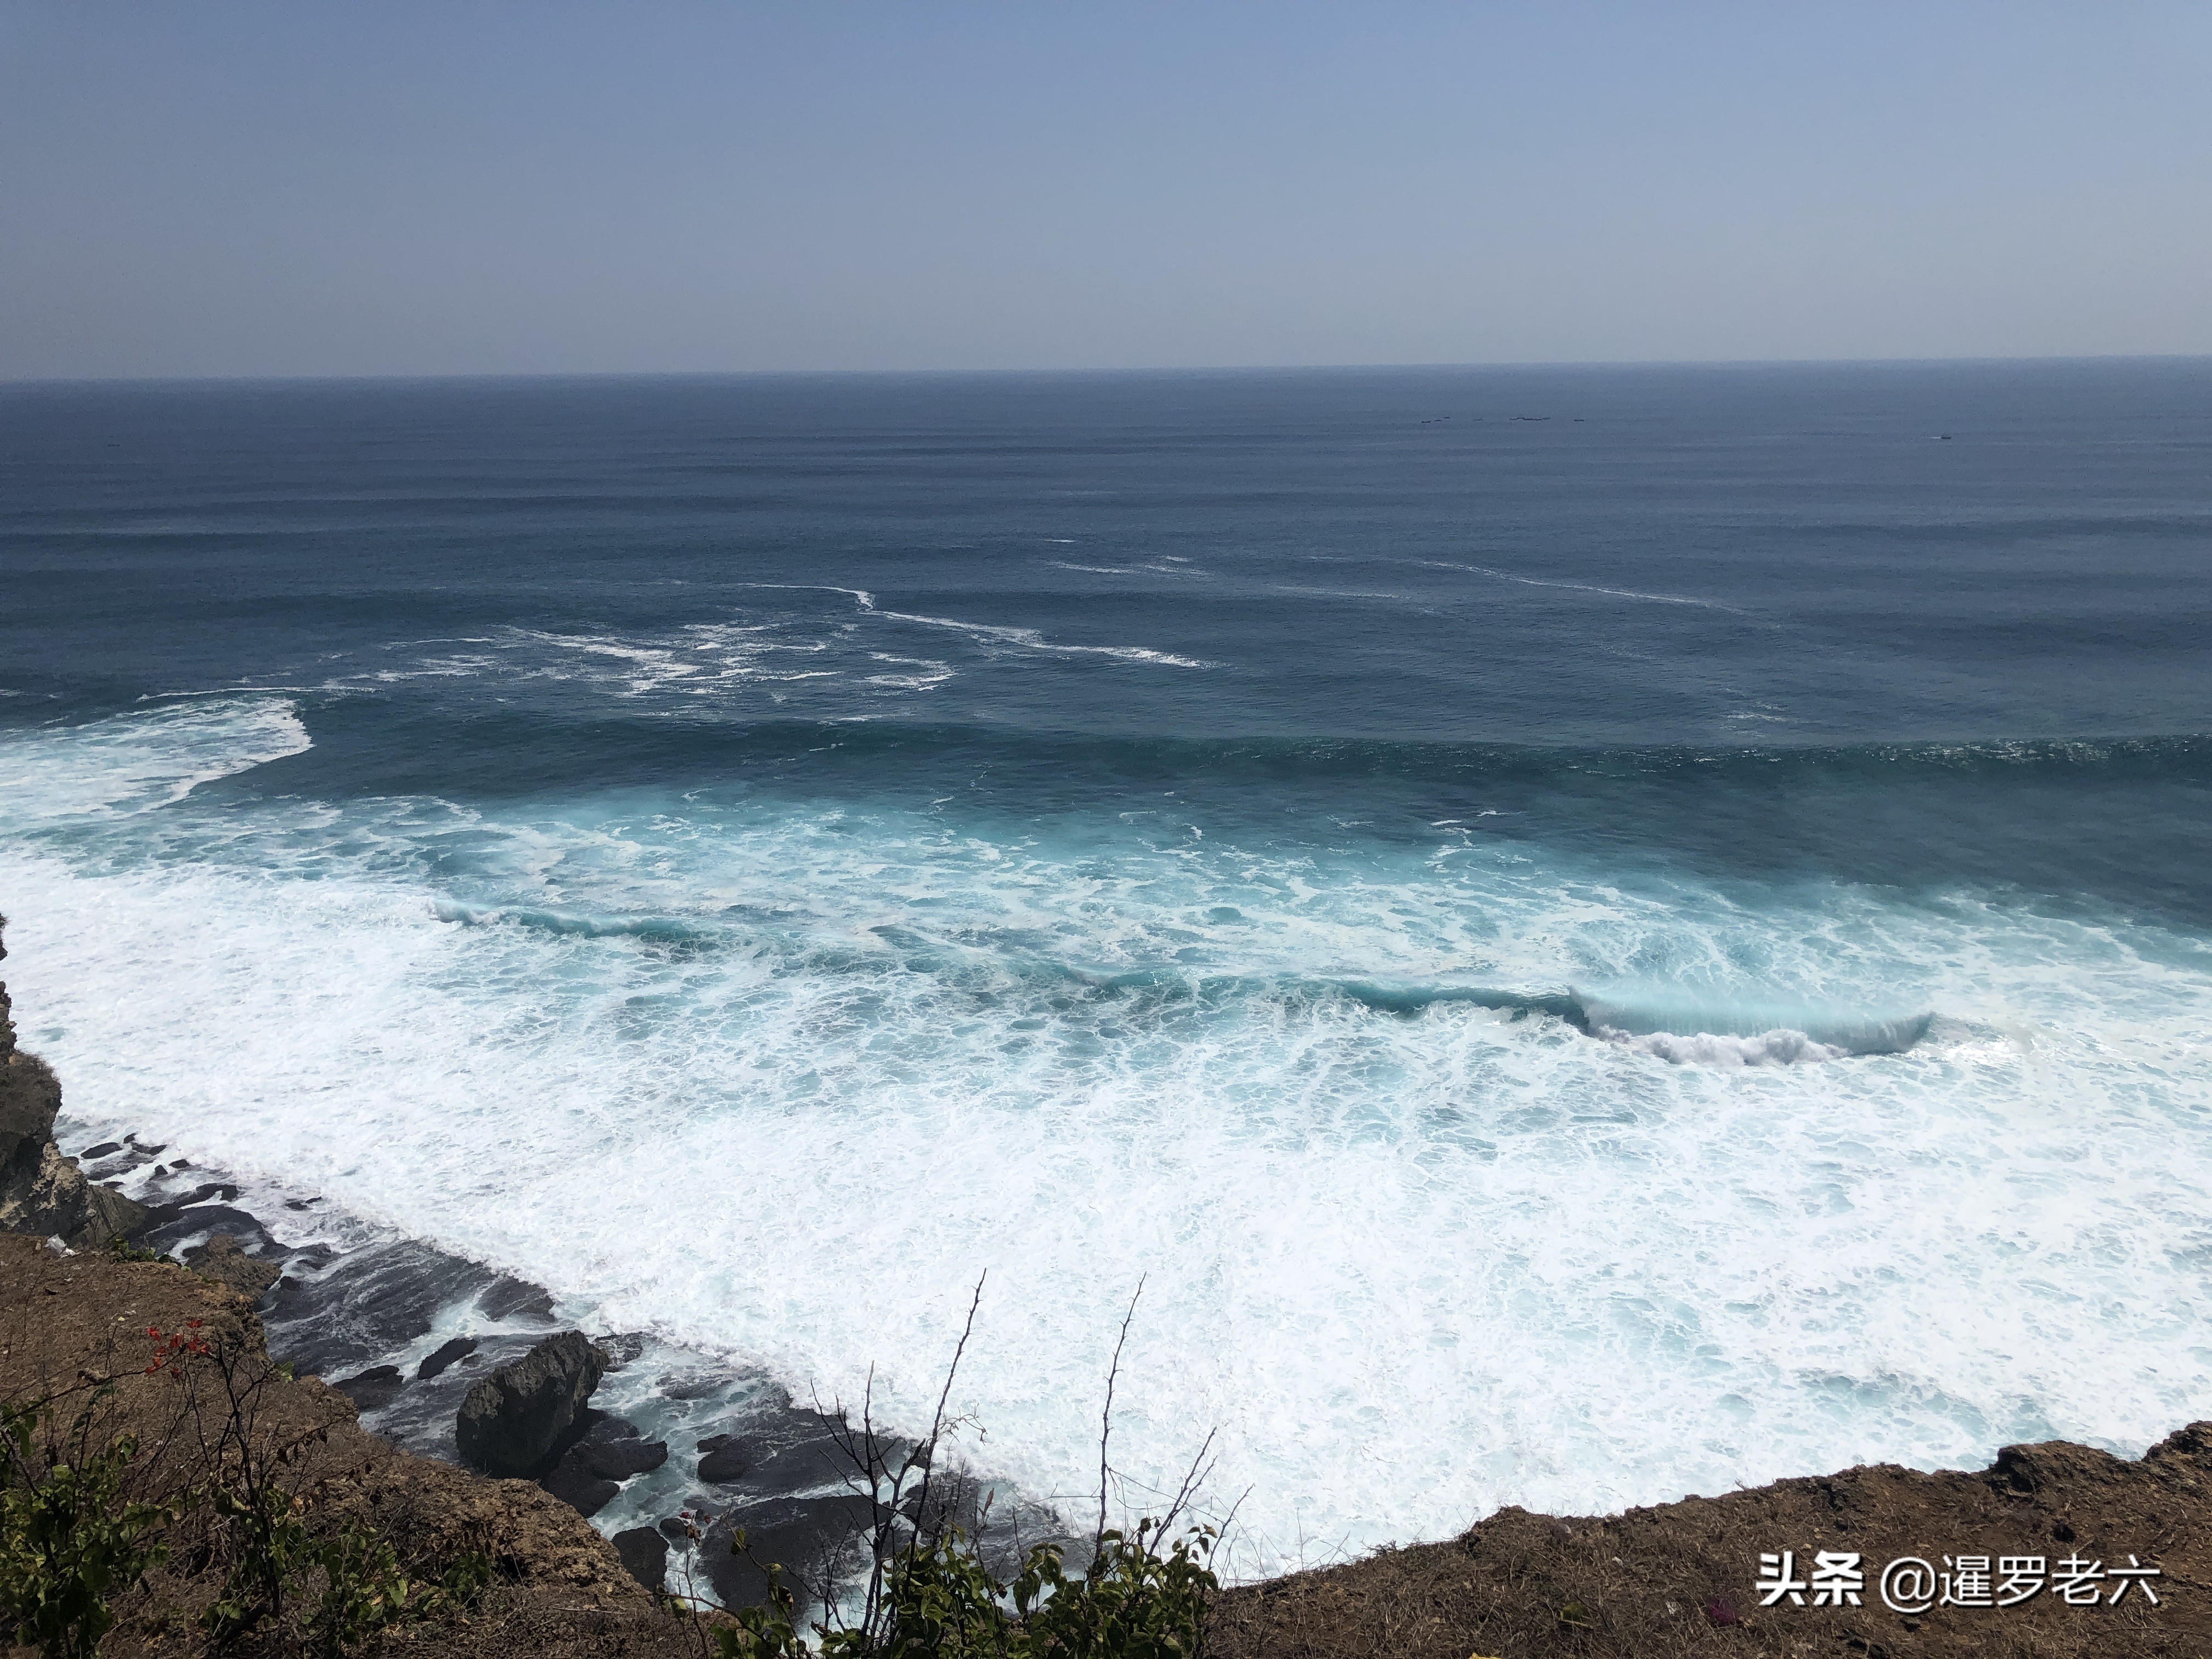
x=440, y=1363
x=676, y=1450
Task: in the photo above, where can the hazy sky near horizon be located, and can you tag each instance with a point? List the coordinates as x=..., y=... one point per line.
x=277, y=189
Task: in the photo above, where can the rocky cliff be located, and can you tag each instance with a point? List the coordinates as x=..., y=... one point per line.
x=40, y=1191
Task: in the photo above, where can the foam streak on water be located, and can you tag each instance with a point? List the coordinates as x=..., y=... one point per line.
x=1453, y=1179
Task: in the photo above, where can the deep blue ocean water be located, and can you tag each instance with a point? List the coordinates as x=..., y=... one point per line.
x=1592, y=933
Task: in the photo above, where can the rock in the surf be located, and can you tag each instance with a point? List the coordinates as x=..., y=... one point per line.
x=515, y=1421
x=723, y=1458
x=592, y=1470
x=458, y=1348
x=375, y=1388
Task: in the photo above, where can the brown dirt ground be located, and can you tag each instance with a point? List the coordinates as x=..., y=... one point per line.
x=1523, y=1586
x=70, y=1325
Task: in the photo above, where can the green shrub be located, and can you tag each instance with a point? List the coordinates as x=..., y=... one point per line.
x=270, y=1534
x=69, y=1540
x=1135, y=1603
x=766, y=1631
x=363, y=1589
x=940, y=1601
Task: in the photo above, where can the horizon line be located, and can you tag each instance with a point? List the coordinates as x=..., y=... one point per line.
x=1563, y=363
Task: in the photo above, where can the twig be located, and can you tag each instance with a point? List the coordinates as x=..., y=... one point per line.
x=1106, y=1418
x=937, y=1422
x=1193, y=1479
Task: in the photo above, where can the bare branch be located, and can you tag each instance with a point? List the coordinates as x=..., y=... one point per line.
x=1194, y=1478
x=937, y=1422
x=1106, y=1417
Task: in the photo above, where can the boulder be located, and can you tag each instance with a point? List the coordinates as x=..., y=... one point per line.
x=811, y=1539
x=592, y=1470
x=724, y=1458
x=375, y=1388
x=517, y=1420
x=645, y=1552
x=220, y=1259
x=580, y=1489
x=459, y=1347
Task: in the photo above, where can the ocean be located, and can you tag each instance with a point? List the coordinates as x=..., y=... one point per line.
x=1586, y=934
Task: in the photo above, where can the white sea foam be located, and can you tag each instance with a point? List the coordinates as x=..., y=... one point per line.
x=766, y=655
x=1783, y=1047
x=1031, y=639
x=781, y=1079
x=1581, y=587
x=131, y=762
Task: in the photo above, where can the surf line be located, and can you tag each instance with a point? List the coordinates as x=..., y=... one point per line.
x=1583, y=587
x=1029, y=639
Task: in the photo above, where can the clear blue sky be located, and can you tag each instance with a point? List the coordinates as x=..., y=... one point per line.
x=231, y=189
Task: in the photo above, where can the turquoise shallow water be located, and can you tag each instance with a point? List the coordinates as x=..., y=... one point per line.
x=1591, y=934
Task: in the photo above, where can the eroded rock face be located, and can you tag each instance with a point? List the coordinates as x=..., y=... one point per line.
x=40, y=1191
x=514, y=1422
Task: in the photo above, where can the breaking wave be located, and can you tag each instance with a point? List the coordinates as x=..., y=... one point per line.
x=1422, y=1139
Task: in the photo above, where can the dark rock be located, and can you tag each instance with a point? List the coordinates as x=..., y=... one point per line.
x=625, y=1457
x=782, y=1460
x=41, y=1190
x=115, y=1163
x=302, y=1203
x=182, y=1164
x=725, y=1458
x=508, y=1298
x=584, y=1492
x=374, y=1389
x=645, y=1552
x=101, y=1150
x=808, y=1537
x=169, y=1225
x=697, y=1385
x=617, y=1451
x=515, y=1421
x=675, y=1529
x=609, y=1452
x=373, y=1300
x=459, y=1348
x=220, y=1259
x=621, y=1348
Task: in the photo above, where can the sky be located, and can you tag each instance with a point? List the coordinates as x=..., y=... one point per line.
x=228, y=189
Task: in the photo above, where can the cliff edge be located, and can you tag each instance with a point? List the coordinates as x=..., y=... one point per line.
x=96, y=1334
